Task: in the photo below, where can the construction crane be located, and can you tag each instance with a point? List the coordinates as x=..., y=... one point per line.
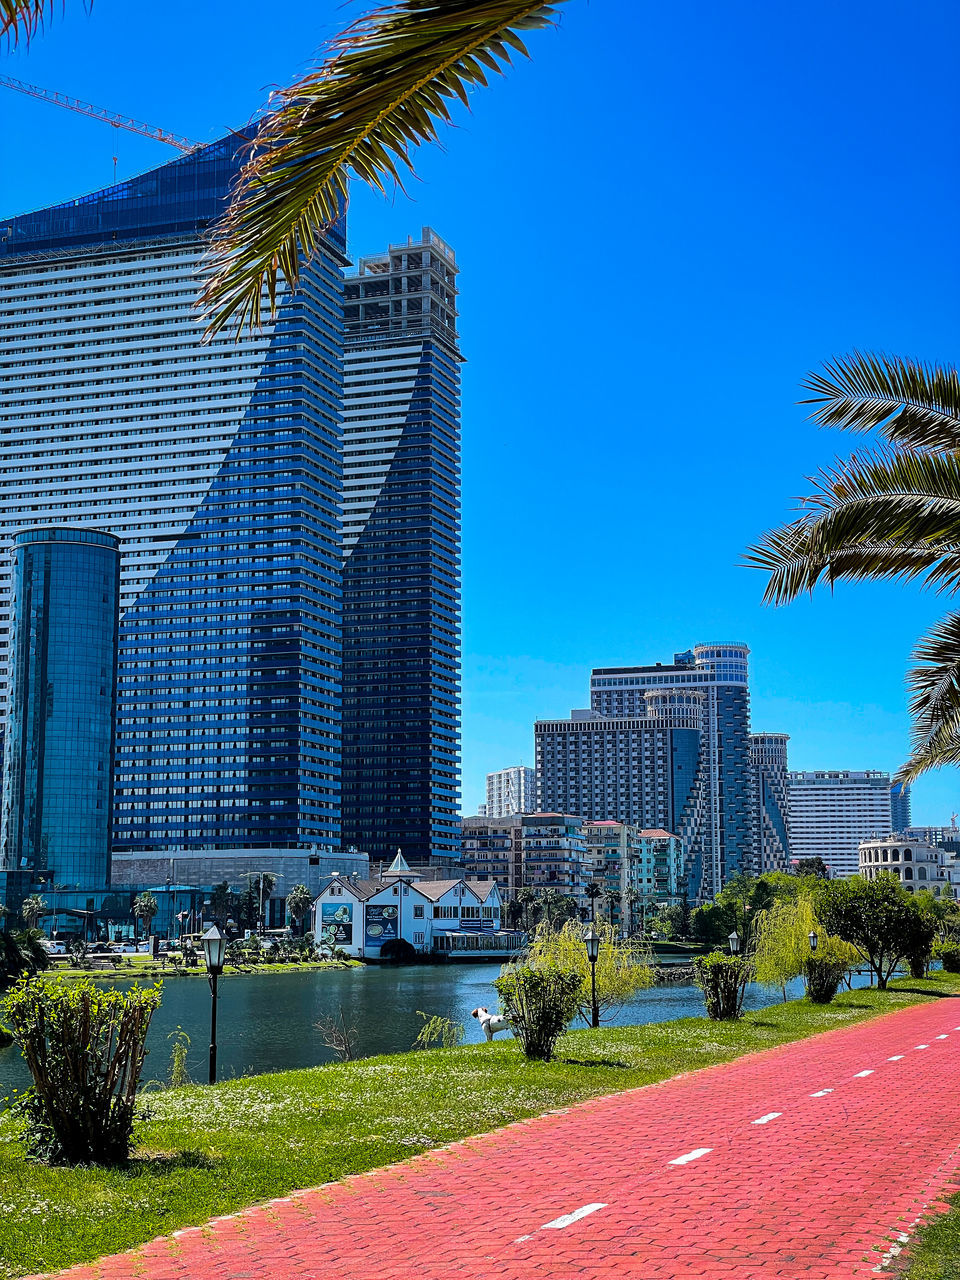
x=99, y=113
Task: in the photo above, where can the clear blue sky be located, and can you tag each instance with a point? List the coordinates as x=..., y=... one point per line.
x=663, y=222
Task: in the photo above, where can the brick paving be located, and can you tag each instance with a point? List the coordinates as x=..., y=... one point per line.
x=826, y=1187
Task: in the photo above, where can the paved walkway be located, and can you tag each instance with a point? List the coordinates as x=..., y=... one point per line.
x=809, y=1161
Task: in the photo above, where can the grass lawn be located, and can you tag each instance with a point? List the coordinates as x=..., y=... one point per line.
x=935, y=1252
x=144, y=967
x=207, y=1151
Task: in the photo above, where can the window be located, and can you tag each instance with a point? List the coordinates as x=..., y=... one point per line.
x=418, y=939
x=418, y=913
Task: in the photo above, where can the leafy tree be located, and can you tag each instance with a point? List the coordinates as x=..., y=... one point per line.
x=145, y=907
x=556, y=907
x=723, y=981
x=619, y=972
x=918, y=947
x=32, y=909
x=299, y=902
x=812, y=867
x=513, y=910
x=875, y=916
x=223, y=903
x=886, y=513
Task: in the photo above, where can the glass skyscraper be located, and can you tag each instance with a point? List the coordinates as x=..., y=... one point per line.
x=401, y=529
x=219, y=468
x=58, y=781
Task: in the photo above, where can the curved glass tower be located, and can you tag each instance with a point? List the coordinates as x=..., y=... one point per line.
x=58, y=780
x=218, y=465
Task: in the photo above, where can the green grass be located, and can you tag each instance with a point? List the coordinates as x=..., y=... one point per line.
x=934, y=1254
x=145, y=967
x=208, y=1151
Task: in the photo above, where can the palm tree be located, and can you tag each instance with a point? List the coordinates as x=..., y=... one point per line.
x=526, y=897
x=552, y=901
x=384, y=86
x=612, y=898
x=145, y=907
x=888, y=512
x=32, y=909
x=299, y=902
x=633, y=898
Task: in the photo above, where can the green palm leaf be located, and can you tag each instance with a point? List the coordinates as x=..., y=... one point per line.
x=24, y=17
x=877, y=515
x=916, y=405
x=386, y=84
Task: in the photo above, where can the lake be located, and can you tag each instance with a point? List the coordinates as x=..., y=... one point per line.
x=266, y=1021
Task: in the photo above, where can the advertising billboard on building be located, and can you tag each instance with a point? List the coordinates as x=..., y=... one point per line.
x=381, y=925
x=336, y=923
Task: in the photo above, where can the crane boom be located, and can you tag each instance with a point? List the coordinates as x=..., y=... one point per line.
x=99, y=113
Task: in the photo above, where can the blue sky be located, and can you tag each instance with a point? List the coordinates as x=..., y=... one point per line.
x=663, y=222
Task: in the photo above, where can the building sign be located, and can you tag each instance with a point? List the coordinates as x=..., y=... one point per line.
x=336, y=923
x=381, y=925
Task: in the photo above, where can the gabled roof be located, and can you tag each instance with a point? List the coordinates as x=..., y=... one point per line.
x=361, y=889
x=658, y=833
x=435, y=889
x=483, y=888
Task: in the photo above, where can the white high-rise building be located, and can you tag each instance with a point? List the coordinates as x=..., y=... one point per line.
x=833, y=812
x=512, y=790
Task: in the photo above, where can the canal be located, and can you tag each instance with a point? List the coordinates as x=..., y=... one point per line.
x=266, y=1021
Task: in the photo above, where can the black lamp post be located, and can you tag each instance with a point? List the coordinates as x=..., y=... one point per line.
x=734, y=940
x=214, y=952
x=592, y=942
x=813, y=939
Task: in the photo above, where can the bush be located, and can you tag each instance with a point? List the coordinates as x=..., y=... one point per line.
x=85, y=1048
x=399, y=950
x=620, y=971
x=950, y=956
x=539, y=1004
x=824, y=975
x=722, y=979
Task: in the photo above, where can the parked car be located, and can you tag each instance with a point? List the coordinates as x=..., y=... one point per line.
x=54, y=948
x=128, y=949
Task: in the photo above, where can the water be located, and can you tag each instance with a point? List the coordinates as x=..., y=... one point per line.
x=266, y=1021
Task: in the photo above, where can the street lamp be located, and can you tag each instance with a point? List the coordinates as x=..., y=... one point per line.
x=592, y=942
x=812, y=936
x=214, y=952
x=734, y=941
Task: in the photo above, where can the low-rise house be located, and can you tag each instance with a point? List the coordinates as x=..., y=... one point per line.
x=455, y=918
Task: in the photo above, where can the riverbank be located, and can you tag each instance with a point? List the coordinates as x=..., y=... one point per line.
x=209, y=1151
x=146, y=968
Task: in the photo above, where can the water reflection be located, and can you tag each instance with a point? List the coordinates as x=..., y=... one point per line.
x=267, y=1021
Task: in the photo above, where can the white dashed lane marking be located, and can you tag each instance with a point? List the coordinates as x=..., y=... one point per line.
x=771, y=1115
x=923, y=1046
x=557, y=1224
x=821, y=1093
x=863, y=1073
x=695, y=1154
x=942, y=1037
x=896, y=1057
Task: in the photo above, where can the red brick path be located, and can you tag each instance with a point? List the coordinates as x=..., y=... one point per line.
x=820, y=1191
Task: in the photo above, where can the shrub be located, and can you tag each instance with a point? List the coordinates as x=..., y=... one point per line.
x=439, y=1031
x=399, y=950
x=85, y=1048
x=824, y=975
x=620, y=971
x=539, y=1003
x=722, y=979
x=950, y=956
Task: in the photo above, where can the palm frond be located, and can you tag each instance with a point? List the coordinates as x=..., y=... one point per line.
x=889, y=514
x=940, y=748
x=384, y=87
x=25, y=17
x=914, y=404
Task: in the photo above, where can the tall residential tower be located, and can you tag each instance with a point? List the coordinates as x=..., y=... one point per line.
x=401, y=535
x=218, y=466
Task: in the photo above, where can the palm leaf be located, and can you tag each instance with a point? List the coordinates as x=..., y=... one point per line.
x=877, y=515
x=940, y=748
x=384, y=87
x=914, y=404
x=25, y=17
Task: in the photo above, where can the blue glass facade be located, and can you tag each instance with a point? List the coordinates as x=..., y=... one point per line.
x=401, y=583
x=59, y=749
x=219, y=465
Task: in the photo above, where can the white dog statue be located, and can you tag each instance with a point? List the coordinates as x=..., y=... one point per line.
x=491, y=1023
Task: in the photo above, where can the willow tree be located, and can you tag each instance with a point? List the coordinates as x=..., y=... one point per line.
x=781, y=935
x=621, y=972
